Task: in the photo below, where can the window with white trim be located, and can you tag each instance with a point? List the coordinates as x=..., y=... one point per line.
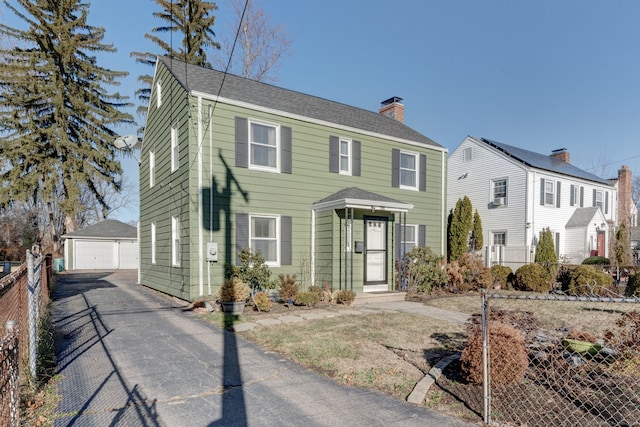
x=152, y=169
x=467, y=154
x=575, y=195
x=499, y=238
x=264, y=235
x=263, y=146
x=408, y=237
x=345, y=156
x=175, y=241
x=408, y=170
x=153, y=243
x=175, y=152
x=158, y=94
x=549, y=192
x=499, y=191
x=599, y=201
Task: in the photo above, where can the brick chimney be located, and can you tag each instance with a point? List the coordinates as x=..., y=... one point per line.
x=561, y=154
x=625, y=186
x=393, y=108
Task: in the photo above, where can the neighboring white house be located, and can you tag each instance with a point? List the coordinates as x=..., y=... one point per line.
x=107, y=245
x=518, y=193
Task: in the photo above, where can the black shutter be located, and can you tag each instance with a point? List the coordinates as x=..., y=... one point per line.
x=334, y=154
x=395, y=167
x=594, y=197
x=242, y=234
x=422, y=235
x=582, y=197
x=242, y=142
x=572, y=196
x=423, y=173
x=355, y=167
x=542, y=191
x=285, y=240
x=558, y=192
x=606, y=202
x=285, y=150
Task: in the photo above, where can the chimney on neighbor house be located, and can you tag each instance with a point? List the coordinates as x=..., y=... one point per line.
x=393, y=108
x=625, y=188
x=561, y=154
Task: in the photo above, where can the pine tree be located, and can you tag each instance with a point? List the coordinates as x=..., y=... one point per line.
x=476, y=235
x=545, y=252
x=622, y=246
x=56, y=117
x=460, y=228
x=191, y=19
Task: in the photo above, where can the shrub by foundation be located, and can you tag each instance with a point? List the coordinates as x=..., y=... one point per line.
x=533, y=278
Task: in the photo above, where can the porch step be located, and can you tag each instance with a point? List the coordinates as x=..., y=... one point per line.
x=364, y=298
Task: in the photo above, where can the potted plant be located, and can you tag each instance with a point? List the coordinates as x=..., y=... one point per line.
x=233, y=294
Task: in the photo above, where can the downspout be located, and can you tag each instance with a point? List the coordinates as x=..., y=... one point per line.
x=210, y=117
x=200, y=236
x=312, y=268
x=350, y=240
x=443, y=225
x=344, y=249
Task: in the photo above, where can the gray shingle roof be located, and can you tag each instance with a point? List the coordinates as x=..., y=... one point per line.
x=109, y=228
x=205, y=80
x=541, y=161
x=582, y=217
x=357, y=194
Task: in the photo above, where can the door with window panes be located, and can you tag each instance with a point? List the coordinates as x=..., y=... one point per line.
x=376, y=250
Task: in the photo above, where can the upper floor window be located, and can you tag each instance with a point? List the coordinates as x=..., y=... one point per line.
x=175, y=241
x=345, y=156
x=574, y=197
x=467, y=154
x=264, y=232
x=152, y=169
x=263, y=146
x=158, y=94
x=175, y=152
x=408, y=170
x=598, y=199
x=499, y=191
x=549, y=192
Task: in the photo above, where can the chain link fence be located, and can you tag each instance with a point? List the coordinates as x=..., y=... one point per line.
x=24, y=296
x=557, y=360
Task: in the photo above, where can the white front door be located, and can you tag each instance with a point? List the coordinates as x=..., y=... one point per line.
x=376, y=251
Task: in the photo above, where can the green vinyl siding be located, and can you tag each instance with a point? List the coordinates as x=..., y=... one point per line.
x=228, y=190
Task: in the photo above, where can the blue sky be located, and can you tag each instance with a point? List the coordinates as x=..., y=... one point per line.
x=539, y=75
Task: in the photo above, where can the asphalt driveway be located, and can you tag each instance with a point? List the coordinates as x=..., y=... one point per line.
x=130, y=357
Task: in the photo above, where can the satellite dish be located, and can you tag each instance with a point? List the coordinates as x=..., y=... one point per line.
x=126, y=142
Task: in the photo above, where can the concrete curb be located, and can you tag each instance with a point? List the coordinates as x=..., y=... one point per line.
x=419, y=392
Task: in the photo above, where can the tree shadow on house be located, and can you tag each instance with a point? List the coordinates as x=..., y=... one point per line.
x=217, y=217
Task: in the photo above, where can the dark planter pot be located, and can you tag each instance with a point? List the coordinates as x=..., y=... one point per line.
x=233, y=307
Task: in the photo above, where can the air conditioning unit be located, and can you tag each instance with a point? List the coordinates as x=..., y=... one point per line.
x=498, y=201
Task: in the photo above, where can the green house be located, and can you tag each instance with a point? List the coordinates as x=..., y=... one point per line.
x=331, y=193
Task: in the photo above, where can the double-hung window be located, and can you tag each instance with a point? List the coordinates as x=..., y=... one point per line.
x=263, y=146
x=549, y=192
x=175, y=241
x=499, y=191
x=598, y=199
x=153, y=243
x=408, y=170
x=175, y=151
x=408, y=237
x=345, y=156
x=264, y=232
x=152, y=169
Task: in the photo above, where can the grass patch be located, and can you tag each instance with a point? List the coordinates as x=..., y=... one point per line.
x=389, y=352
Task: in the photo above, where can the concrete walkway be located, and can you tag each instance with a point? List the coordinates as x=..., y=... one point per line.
x=129, y=357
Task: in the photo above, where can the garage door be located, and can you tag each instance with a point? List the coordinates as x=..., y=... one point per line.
x=128, y=255
x=95, y=255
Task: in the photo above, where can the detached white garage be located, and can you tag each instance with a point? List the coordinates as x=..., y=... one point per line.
x=107, y=245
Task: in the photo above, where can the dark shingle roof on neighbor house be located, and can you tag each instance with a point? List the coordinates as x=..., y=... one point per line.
x=541, y=161
x=208, y=81
x=107, y=229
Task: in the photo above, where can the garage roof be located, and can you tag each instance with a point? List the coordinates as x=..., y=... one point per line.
x=110, y=229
